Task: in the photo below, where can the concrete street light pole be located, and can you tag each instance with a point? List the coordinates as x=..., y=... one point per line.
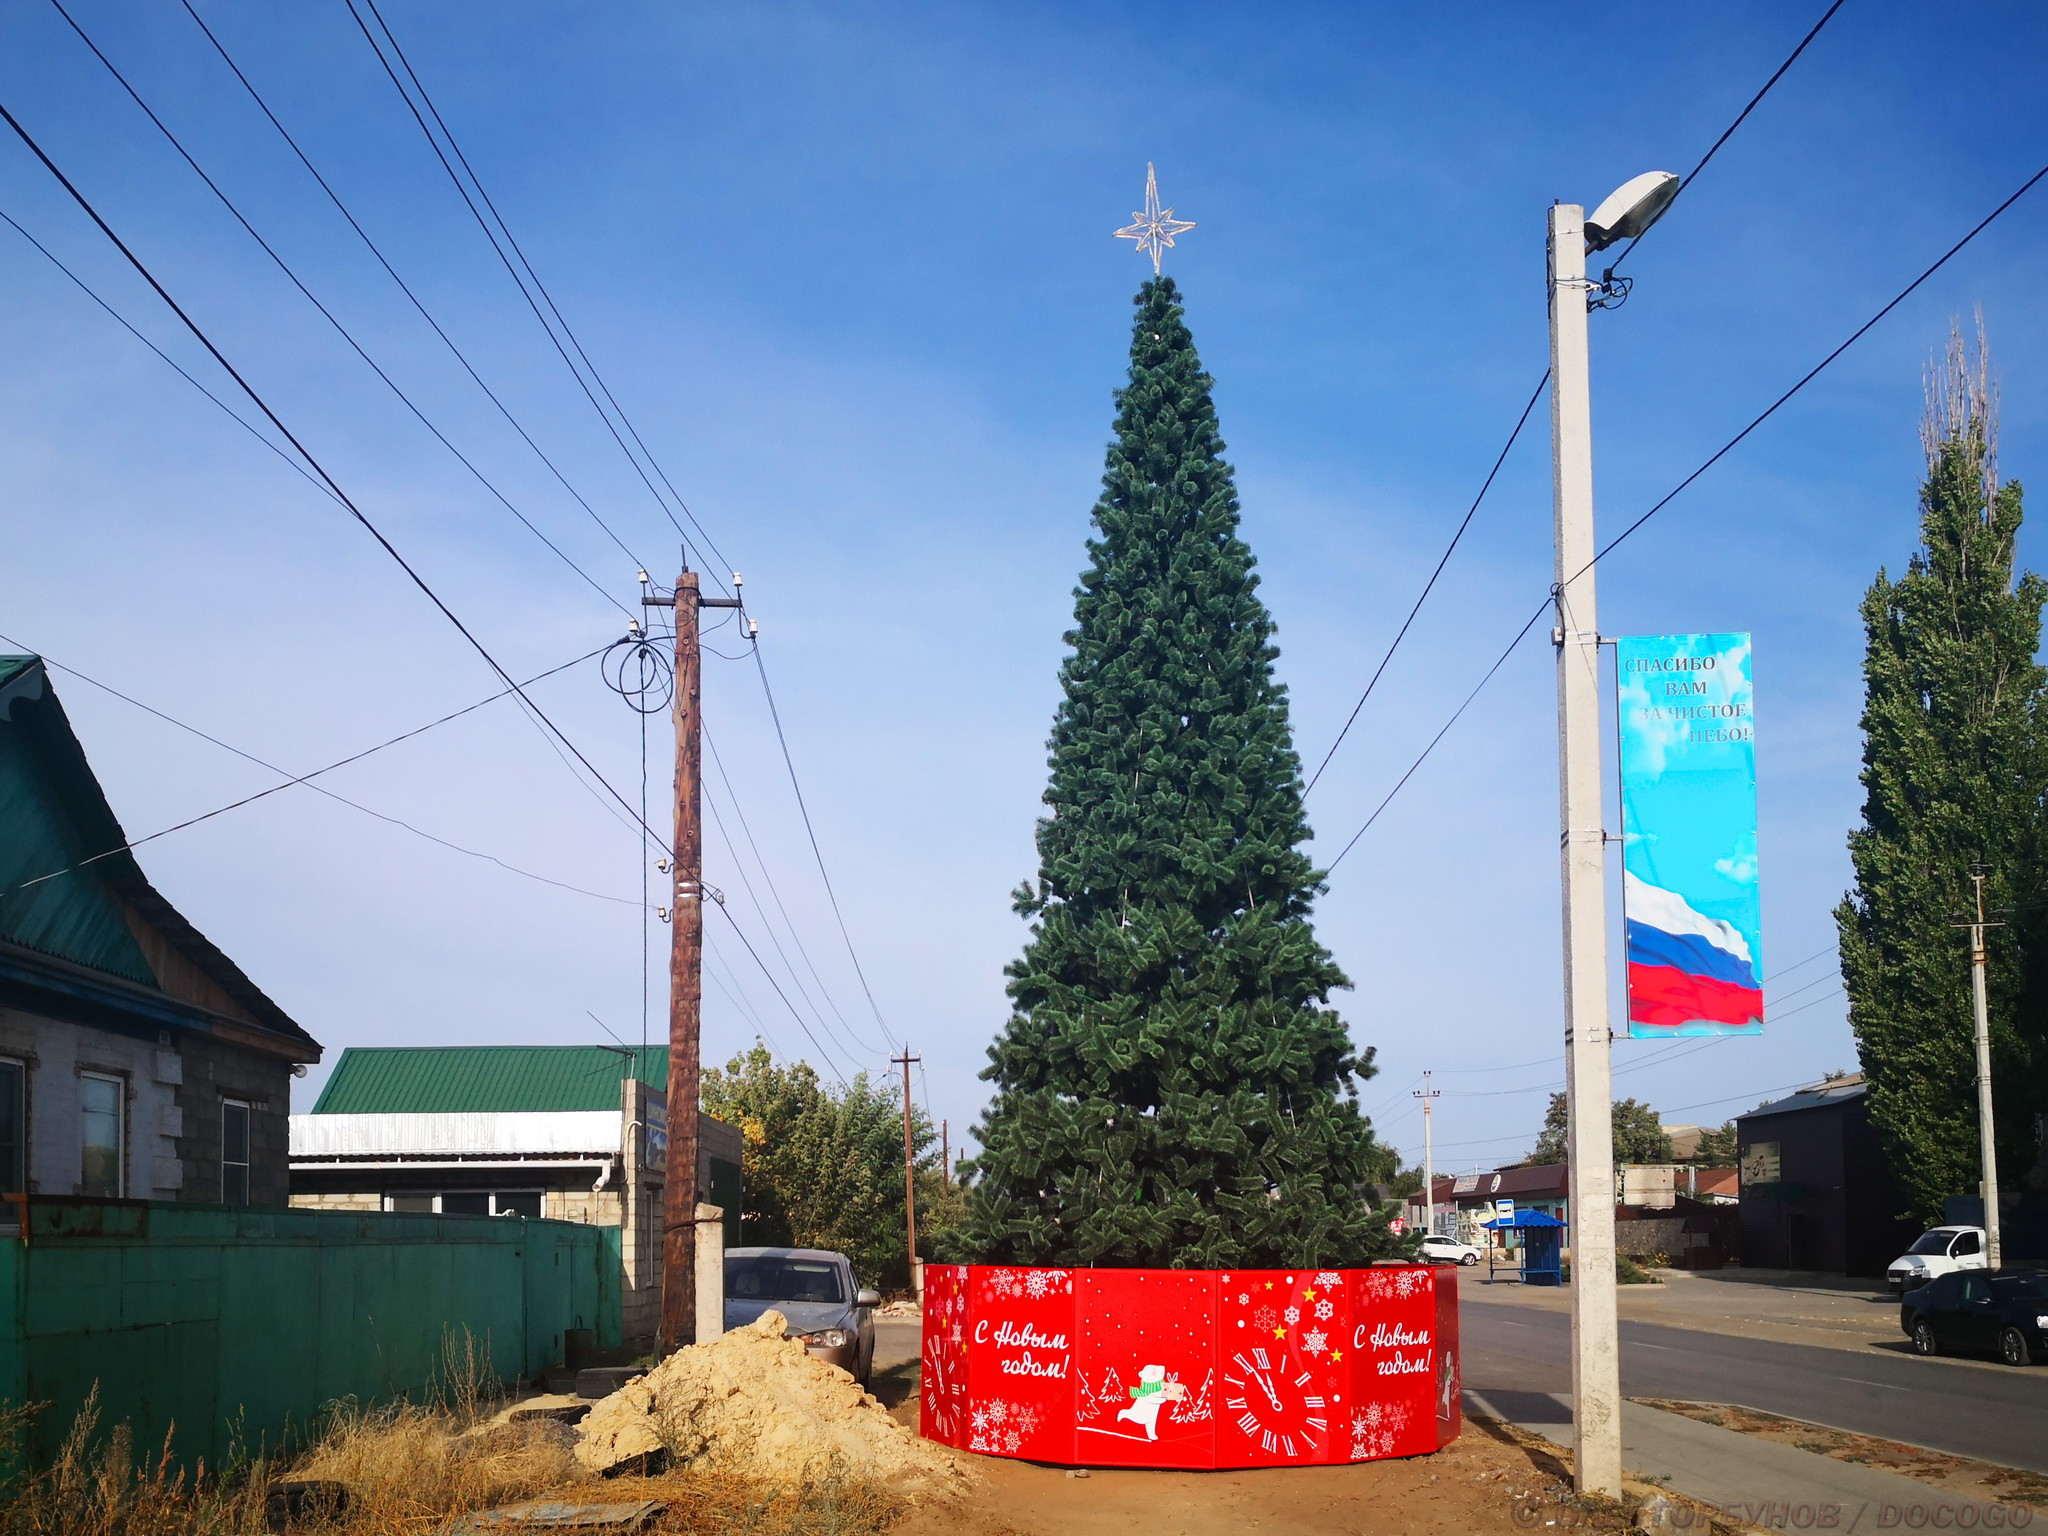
x=1987, y=1141
x=1596, y=1364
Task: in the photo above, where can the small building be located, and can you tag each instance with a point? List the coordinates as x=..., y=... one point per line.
x=136, y=1060
x=1817, y=1193
x=571, y=1133
x=1464, y=1200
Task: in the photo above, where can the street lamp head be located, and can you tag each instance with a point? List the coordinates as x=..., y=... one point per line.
x=1630, y=209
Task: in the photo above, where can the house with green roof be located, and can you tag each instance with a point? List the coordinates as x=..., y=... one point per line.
x=566, y=1132
x=136, y=1060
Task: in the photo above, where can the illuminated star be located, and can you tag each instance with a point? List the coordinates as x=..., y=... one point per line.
x=1154, y=228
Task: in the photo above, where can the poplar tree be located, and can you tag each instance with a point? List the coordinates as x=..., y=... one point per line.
x=1953, y=780
x=1173, y=1088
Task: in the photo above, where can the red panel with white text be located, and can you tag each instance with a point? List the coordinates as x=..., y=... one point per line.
x=1020, y=1362
x=1146, y=1390
x=1394, y=1362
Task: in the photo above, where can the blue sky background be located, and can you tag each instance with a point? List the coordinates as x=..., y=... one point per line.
x=850, y=268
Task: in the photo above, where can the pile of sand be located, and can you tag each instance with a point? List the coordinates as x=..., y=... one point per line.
x=756, y=1403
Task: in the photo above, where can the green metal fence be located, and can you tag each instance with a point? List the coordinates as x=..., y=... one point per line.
x=220, y=1325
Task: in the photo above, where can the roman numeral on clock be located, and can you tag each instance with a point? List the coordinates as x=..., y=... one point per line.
x=1233, y=1402
x=1248, y=1422
x=1318, y=1425
x=1288, y=1442
x=1301, y=1380
x=1260, y=1356
x=1266, y=1442
x=1311, y=1402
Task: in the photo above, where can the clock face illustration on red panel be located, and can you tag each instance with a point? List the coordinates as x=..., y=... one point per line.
x=1280, y=1363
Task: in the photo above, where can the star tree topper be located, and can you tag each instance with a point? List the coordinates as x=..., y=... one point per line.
x=1155, y=227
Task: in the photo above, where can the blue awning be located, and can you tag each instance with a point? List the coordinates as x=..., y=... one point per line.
x=1520, y=1221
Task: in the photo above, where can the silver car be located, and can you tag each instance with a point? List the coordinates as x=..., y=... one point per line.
x=815, y=1290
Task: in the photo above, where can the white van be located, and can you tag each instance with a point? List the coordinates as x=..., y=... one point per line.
x=1938, y=1251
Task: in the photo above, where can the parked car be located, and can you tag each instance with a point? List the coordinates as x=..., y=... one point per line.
x=816, y=1291
x=1438, y=1249
x=1937, y=1251
x=1975, y=1312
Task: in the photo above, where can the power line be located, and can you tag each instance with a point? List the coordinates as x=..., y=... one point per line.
x=123, y=321
x=1430, y=585
x=306, y=779
x=341, y=207
x=1729, y=132
x=515, y=271
x=1720, y=453
x=539, y=715
x=818, y=853
x=775, y=891
x=781, y=954
x=793, y=1013
x=1521, y=421
x=330, y=317
x=1423, y=756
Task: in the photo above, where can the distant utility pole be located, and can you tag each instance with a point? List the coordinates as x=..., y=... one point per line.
x=1428, y=1157
x=685, y=972
x=909, y=1166
x=1980, y=961
x=946, y=1153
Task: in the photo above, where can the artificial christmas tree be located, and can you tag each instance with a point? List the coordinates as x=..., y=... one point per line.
x=1172, y=1089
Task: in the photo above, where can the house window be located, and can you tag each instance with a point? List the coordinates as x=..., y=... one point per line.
x=234, y=1152
x=516, y=1202
x=13, y=1126
x=415, y=1205
x=100, y=1126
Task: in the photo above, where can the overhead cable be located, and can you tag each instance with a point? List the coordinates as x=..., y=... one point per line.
x=818, y=853
x=331, y=318
x=404, y=288
x=1535, y=395
x=537, y=714
x=522, y=273
x=291, y=780
x=1769, y=411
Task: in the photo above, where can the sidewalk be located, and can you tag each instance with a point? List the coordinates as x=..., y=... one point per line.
x=1754, y=1482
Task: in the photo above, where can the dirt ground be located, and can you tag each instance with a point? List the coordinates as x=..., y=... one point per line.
x=1483, y=1482
x=1956, y=1474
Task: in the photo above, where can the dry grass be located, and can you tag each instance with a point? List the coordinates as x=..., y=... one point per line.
x=406, y=1468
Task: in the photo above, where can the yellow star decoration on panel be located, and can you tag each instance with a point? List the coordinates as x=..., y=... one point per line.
x=1279, y=1333
x=1153, y=227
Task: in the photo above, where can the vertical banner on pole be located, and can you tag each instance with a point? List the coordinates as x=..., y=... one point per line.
x=1688, y=813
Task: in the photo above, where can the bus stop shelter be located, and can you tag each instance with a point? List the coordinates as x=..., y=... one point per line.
x=1540, y=1260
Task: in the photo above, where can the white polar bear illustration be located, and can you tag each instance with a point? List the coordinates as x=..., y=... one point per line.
x=1152, y=1393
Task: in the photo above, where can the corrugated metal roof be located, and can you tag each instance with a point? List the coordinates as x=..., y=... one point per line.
x=485, y=1079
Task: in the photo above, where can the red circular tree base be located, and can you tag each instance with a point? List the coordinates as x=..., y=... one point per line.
x=1188, y=1367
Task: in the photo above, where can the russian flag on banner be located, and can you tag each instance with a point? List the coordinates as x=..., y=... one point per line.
x=1683, y=966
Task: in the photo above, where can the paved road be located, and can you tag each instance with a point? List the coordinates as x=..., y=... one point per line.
x=1518, y=1358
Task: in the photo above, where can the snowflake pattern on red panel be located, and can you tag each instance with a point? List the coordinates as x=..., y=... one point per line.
x=1394, y=1363
x=942, y=1382
x=1282, y=1377
x=1020, y=1330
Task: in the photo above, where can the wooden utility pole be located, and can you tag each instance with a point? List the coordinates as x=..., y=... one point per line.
x=685, y=974
x=909, y=1166
x=946, y=1153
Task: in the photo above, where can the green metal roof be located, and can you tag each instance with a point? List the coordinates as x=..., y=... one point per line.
x=68, y=884
x=485, y=1079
